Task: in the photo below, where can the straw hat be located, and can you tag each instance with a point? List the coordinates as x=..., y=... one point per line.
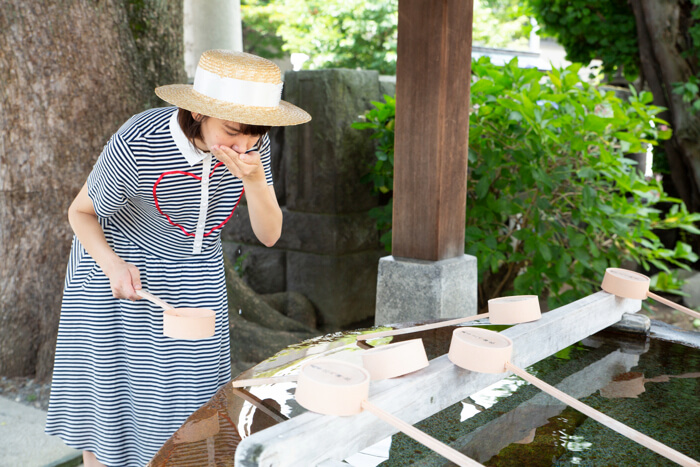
x=238, y=87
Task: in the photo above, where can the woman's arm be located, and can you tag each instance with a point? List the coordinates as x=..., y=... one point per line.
x=123, y=277
x=265, y=213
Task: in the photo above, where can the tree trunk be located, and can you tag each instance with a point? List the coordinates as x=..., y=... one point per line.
x=71, y=72
x=662, y=29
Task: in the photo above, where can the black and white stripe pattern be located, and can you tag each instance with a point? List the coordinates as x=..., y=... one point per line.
x=120, y=388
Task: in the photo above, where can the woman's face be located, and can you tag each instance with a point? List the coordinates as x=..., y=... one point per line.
x=225, y=133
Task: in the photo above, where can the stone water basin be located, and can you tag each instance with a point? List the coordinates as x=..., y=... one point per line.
x=651, y=383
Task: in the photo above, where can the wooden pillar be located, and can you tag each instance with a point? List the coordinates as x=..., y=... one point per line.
x=432, y=128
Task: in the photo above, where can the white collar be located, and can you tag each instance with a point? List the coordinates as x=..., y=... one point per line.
x=192, y=154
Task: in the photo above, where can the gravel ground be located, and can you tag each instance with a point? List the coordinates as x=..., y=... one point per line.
x=26, y=391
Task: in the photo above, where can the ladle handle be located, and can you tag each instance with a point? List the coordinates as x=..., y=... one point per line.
x=427, y=440
x=611, y=423
x=673, y=305
x=243, y=383
x=153, y=299
x=423, y=327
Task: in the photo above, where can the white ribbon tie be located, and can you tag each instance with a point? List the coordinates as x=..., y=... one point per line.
x=237, y=91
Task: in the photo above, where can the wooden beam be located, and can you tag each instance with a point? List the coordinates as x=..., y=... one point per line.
x=309, y=439
x=432, y=128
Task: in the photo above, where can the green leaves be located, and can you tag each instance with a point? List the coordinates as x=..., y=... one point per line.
x=551, y=199
x=592, y=29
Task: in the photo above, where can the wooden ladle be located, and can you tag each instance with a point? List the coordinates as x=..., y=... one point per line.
x=488, y=351
x=184, y=323
x=504, y=310
x=339, y=388
x=630, y=284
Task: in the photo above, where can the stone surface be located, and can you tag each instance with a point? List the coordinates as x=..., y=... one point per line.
x=633, y=323
x=692, y=288
x=414, y=290
x=245, y=304
x=23, y=441
x=313, y=233
x=325, y=158
x=264, y=269
x=293, y=305
x=342, y=288
x=252, y=342
x=387, y=85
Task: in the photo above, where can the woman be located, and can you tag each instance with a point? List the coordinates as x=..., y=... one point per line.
x=149, y=217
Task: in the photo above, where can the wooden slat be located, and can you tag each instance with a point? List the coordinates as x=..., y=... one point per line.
x=309, y=438
x=432, y=128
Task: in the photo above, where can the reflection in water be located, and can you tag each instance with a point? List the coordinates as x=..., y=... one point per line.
x=281, y=393
x=529, y=438
x=373, y=455
x=487, y=397
x=631, y=384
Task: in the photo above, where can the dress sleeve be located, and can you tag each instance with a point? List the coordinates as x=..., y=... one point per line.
x=265, y=157
x=114, y=178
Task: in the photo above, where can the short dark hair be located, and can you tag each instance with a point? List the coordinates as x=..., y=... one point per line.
x=193, y=128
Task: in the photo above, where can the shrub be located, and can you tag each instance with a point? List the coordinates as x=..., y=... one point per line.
x=552, y=200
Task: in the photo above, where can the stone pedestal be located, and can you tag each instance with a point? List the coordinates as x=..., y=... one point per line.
x=413, y=290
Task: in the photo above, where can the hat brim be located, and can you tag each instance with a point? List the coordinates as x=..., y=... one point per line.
x=184, y=96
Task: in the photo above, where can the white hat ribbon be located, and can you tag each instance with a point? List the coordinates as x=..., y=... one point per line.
x=237, y=91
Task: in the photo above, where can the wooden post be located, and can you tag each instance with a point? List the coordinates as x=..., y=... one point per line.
x=432, y=128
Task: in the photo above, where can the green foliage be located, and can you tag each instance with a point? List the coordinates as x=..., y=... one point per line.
x=501, y=23
x=690, y=90
x=589, y=29
x=334, y=33
x=359, y=33
x=381, y=119
x=551, y=200
x=238, y=265
x=260, y=29
x=668, y=282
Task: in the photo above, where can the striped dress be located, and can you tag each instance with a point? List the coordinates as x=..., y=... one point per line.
x=120, y=388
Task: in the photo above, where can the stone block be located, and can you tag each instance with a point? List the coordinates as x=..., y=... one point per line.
x=313, y=233
x=264, y=268
x=293, y=305
x=325, y=158
x=342, y=288
x=414, y=290
x=277, y=163
x=387, y=85
x=692, y=288
x=633, y=323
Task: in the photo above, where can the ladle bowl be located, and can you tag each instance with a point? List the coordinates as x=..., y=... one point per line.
x=332, y=387
x=480, y=350
x=189, y=323
x=629, y=284
x=626, y=284
x=504, y=310
x=184, y=323
x=393, y=360
x=514, y=310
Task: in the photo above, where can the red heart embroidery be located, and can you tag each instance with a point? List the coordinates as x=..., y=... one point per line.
x=182, y=172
